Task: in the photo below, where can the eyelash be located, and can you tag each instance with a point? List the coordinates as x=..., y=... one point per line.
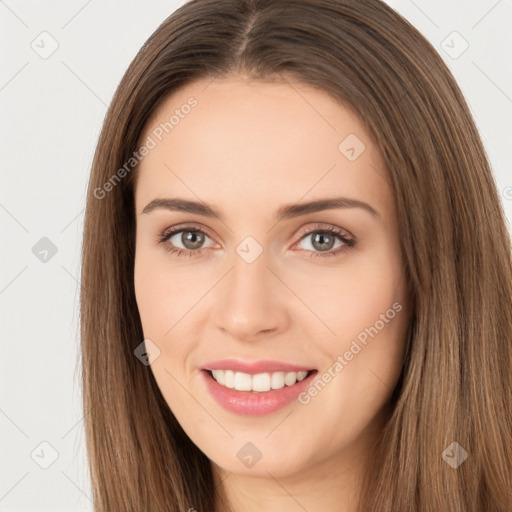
x=348, y=243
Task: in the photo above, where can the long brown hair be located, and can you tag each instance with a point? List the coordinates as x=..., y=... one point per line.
x=456, y=378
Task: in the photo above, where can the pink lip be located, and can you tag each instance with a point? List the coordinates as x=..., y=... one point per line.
x=251, y=403
x=254, y=367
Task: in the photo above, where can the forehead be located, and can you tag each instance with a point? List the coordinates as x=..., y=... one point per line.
x=244, y=140
x=241, y=107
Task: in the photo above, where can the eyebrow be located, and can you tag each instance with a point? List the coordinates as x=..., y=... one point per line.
x=287, y=211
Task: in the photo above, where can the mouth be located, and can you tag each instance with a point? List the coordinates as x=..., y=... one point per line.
x=255, y=394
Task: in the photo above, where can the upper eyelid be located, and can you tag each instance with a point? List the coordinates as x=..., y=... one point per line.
x=337, y=230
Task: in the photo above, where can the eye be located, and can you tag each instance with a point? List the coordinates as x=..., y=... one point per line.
x=323, y=241
x=190, y=238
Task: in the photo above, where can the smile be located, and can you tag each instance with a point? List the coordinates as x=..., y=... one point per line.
x=255, y=388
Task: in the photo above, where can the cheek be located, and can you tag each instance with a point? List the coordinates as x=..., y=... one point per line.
x=372, y=300
x=151, y=297
x=161, y=294
x=358, y=294
x=161, y=303
x=168, y=300
x=368, y=311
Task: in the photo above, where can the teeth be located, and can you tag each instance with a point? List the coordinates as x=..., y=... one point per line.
x=219, y=376
x=277, y=380
x=260, y=382
x=290, y=378
x=229, y=378
x=301, y=375
x=243, y=381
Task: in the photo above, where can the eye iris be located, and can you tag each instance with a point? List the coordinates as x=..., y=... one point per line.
x=192, y=239
x=320, y=239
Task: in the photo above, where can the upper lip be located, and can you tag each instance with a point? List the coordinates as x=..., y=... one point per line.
x=254, y=367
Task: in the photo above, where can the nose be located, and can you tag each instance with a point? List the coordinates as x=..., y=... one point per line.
x=251, y=301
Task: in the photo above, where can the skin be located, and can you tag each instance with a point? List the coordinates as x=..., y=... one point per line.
x=247, y=148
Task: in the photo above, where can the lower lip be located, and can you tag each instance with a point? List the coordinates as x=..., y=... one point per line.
x=251, y=403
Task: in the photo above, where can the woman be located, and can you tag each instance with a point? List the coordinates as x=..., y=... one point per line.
x=229, y=362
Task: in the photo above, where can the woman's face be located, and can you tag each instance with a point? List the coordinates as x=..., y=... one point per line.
x=303, y=309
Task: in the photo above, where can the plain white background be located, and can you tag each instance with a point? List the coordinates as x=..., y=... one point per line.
x=52, y=107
